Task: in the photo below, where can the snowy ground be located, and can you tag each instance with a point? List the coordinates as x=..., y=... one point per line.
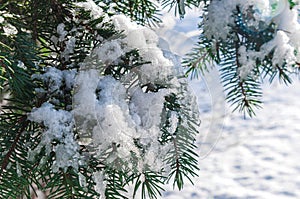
x=253, y=158
x=242, y=158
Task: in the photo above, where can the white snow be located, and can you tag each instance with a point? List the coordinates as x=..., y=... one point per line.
x=69, y=49
x=109, y=52
x=59, y=127
x=146, y=41
x=247, y=59
x=283, y=51
x=100, y=183
x=10, y=29
x=61, y=31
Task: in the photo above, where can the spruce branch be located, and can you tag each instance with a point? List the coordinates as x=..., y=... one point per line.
x=180, y=5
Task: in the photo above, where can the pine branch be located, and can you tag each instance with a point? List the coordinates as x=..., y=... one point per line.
x=17, y=173
x=142, y=11
x=116, y=180
x=244, y=92
x=181, y=157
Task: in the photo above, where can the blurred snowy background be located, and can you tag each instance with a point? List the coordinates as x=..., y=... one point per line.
x=240, y=158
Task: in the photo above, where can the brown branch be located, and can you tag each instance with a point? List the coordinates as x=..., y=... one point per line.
x=34, y=19
x=194, y=64
x=66, y=179
x=14, y=144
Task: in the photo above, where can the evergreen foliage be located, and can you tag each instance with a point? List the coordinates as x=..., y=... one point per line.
x=49, y=57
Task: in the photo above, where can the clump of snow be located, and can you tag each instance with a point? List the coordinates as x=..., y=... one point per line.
x=69, y=78
x=173, y=122
x=100, y=183
x=21, y=65
x=69, y=48
x=55, y=79
x=68, y=41
x=219, y=14
x=289, y=26
x=61, y=31
x=90, y=5
x=284, y=52
x=117, y=120
x=101, y=117
x=10, y=29
x=82, y=180
x=109, y=52
x=19, y=169
x=114, y=122
x=52, y=77
x=247, y=60
x=146, y=41
x=59, y=126
x=147, y=107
